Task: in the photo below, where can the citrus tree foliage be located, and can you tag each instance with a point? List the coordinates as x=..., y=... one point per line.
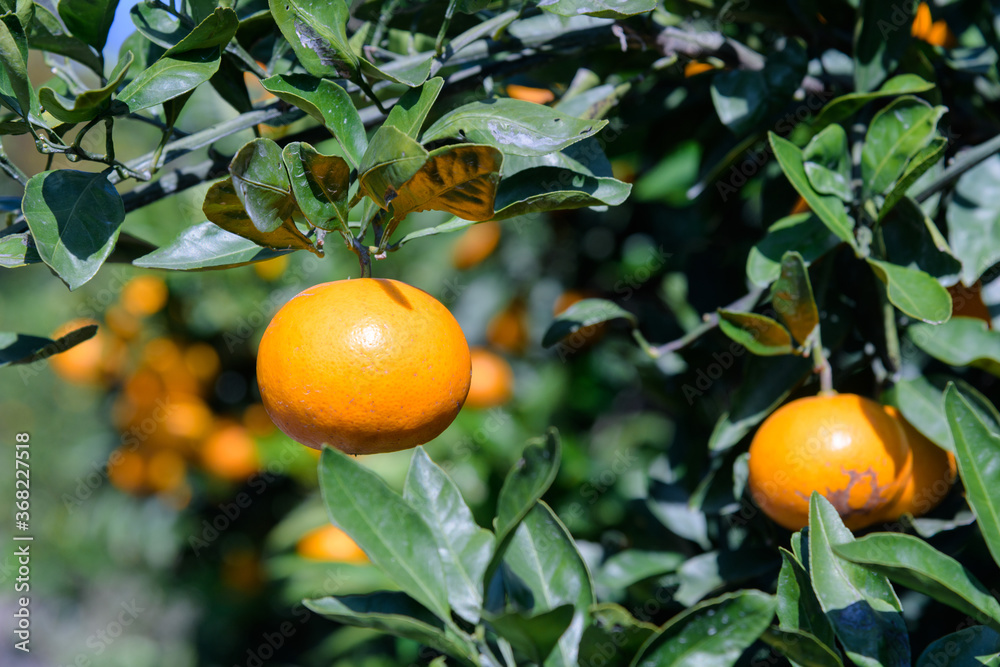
x=881, y=122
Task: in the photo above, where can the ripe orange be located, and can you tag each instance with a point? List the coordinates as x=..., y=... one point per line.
x=475, y=244
x=934, y=472
x=330, y=543
x=508, y=329
x=165, y=471
x=127, y=470
x=968, y=302
x=144, y=295
x=271, y=269
x=366, y=366
x=91, y=362
x=845, y=446
x=492, y=380
x=230, y=453
x=935, y=33
x=529, y=94
x=694, y=68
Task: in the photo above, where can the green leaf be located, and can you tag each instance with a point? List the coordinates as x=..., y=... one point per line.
x=465, y=548
x=604, y=9
x=974, y=219
x=845, y=106
x=320, y=184
x=860, y=604
x=828, y=163
x=15, y=89
x=513, y=126
x=926, y=157
x=798, y=608
x=541, y=189
x=613, y=625
x=978, y=645
x=912, y=562
x=962, y=341
x=759, y=334
x=410, y=111
x=801, y=648
x=977, y=451
x=87, y=104
x=316, y=30
x=543, y=556
x=914, y=292
x=206, y=246
x=792, y=297
x=391, y=160
x=913, y=240
x=633, y=565
x=740, y=98
x=881, y=37
x=328, y=103
x=18, y=250
x=18, y=348
x=714, y=633
x=46, y=33
x=921, y=400
x=75, y=218
x=409, y=70
x=395, y=613
x=803, y=233
x=585, y=313
x=829, y=209
x=535, y=636
x=395, y=536
x=261, y=183
x=460, y=179
x=158, y=25
x=223, y=207
x=897, y=133
x=90, y=20
x=767, y=382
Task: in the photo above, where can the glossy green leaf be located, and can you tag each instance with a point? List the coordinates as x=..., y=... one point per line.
x=530, y=477
x=75, y=218
x=465, y=548
x=914, y=563
x=914, y=241
x=845, y=106
x=974, y=219
x=962, y=341
x=605, y=9
x=829, y=209
x=543, y=189
x=223, y=207
x=46, y=33
x=15, y=89
x=513, y=126
x=860, y=604
x=828, y=163
x=206, y=246
x=977, y=451
x=757, y=333
x=317, y=32
x=714, y=633
x=801, y=648
x=391, y=160
x=409, y=70
x=18, y=348
x=881, y=37
x=543, y=556
x=712, y=570
x=584, y=313
x=798, y=608
x=803, y=233
x=18, y=250
x=90, y=20
x=395, y=536
x=394, y=613
x=897, y=133
x=792, y=298
x=87, y=104
x=534, y=636
x=158, y=25
x=978, y=646
x=410, y=111
x=229, y=83
x=921, y=400
x=261, y=183
x=914, y=292
x=767, y=382
x=460, y=179
x=613, y=625
x=585, y=157
x=633, y=565
x=328, y=103
x=919, y=164
x=320, y=184
x=453, y=225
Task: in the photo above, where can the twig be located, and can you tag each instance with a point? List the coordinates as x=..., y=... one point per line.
x=710, y=321
x=962, y=164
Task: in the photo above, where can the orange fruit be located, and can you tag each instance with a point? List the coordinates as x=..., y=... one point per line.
x=492, y=380
x=933, y=474
x=968, y=302
x=475, y=244
x=202, y=361
x=271, y=269
x=508, y=329
x=127, y=470
x=241, y=570
x=935, y=33
x=144, y=295
x=366, y=366
x=801, y=206
x=695, y=68
x=329, y=543
x=256, y=421
x=122, y=323
x=230, y=453
x=165, y=471
x=846, y=447
x=93, y=361
x=529, y=94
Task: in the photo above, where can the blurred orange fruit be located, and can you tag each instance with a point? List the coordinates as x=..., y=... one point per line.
x=241, y=570
x=846, y=447
x=529, y=94
x=329, y=543
x=475, y=244
x=202, y=361
x=968, y=302
x=801, y=206
x=367, y=366
x=508, y=329
x=271, y=269
x=188, y=418
x=492, y=380
x=122, y=323
x=144, y=295
x=165, y=471
x=93, y=361
x=695, y=68
x=935, y=33
x=230, y=453
x=257, y=421
x=127, y=470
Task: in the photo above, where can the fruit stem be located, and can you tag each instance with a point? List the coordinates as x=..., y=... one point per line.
x=822, y=366
x=364, y=257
